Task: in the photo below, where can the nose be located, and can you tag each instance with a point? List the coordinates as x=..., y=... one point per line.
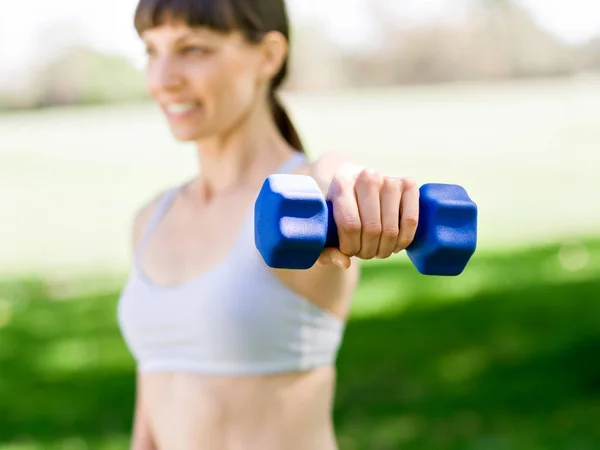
x=164, y=74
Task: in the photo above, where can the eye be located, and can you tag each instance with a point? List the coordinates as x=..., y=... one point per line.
x=196, y=50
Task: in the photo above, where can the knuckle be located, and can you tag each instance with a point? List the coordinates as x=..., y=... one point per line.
x=409, y=184
x=391, y=185
x=410, y=220
x=370, y=178
x=342, y=184
x=390, y=231
x=372, y=229
x=368, y=173
x=350, y=226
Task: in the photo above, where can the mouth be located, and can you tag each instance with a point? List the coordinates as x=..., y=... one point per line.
x=179, y=111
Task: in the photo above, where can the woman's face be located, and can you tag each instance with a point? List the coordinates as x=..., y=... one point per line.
x=204, y=81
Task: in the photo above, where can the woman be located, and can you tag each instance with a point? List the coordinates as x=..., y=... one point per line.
x=230, y=353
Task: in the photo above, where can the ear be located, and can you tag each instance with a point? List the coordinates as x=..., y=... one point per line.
x=273, y=50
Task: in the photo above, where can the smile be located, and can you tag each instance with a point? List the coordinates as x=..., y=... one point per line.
x=181, y=110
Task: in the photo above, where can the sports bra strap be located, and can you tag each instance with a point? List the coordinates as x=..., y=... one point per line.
x=292, y=163
x=159, y=211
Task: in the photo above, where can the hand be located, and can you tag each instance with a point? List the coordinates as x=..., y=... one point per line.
x=375, y=215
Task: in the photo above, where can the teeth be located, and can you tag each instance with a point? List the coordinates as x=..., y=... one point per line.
x=181, y=108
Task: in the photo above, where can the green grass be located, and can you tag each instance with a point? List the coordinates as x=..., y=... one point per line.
x=508, y=362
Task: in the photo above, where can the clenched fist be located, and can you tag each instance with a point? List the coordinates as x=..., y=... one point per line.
x=376, y=215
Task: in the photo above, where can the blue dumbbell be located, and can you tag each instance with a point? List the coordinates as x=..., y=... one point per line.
x=293, y=223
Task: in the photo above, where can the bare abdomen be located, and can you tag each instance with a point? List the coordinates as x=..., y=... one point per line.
x=197, y=412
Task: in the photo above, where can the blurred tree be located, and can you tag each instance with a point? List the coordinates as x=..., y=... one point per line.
x=79, y=75
x=67, y=71
x=494, y=39
x=315, y=61
x=525, y=48
x=590, y=55
x=86, y=76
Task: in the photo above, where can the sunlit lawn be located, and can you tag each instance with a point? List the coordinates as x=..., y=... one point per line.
x=504, y=357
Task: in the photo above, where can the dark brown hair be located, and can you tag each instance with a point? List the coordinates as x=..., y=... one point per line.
x=254, y=18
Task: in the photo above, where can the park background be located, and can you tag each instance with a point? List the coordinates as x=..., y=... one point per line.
x=500, y=96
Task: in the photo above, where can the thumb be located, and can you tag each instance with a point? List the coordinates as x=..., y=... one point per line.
x=333, y=256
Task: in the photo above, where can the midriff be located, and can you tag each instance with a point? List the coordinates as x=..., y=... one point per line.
x=289, y=411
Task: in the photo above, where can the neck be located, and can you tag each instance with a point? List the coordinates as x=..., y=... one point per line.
x=242, y=157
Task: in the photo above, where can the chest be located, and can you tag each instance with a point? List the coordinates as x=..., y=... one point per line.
x=197, y=310
x=192, y=241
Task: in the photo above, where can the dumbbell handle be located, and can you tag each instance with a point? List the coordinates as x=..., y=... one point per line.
x=333, y=239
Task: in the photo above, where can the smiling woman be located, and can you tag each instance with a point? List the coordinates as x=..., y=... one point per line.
x=218, y=29
x=231, y=353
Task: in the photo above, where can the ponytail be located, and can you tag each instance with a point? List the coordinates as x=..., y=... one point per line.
x=285, y=125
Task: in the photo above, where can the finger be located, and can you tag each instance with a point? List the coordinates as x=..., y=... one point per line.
x=391, y=195
x=368, y=187
x=346, y=215
x=409, y=214
x=332, y=256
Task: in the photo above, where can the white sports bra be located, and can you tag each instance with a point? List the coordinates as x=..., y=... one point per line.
x=235, y=319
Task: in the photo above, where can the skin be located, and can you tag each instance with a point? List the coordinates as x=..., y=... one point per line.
x=238, y=146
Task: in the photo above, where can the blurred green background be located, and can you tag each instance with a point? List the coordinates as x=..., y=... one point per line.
x=504, y=356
